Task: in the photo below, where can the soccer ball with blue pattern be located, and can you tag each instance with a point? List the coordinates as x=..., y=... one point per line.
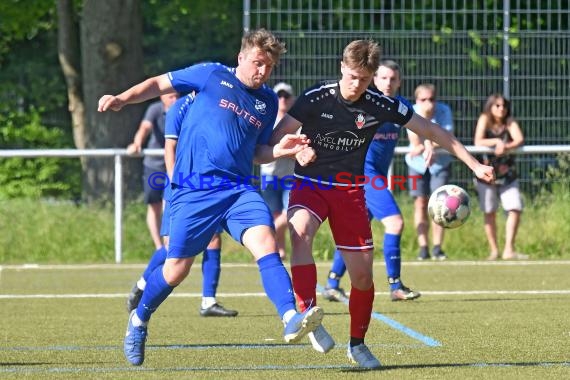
x=449, y=206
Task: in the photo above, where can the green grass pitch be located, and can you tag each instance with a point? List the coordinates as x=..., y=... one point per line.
x=506, y=320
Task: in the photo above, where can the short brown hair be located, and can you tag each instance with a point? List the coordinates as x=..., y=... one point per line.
x=265, y=41
x=426, y=87
x=362, y=54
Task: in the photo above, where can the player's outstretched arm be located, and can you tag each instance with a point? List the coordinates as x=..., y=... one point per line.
x=150, y=88
x=449, y=142
x=287, y=125
x=288, y=146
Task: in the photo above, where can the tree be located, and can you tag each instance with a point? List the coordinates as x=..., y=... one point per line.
x=110, y=47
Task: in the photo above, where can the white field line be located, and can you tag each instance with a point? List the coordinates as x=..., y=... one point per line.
x=260, y=294
x=253, y=265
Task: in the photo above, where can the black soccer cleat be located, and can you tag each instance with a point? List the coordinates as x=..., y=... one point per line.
x=217, y=310
x=134, y=298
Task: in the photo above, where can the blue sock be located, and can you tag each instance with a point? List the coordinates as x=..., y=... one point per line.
x=156, y=291
x=211, y=269
x=157, y=259
x=337, y=270
x=277, y=283
x=393, y=259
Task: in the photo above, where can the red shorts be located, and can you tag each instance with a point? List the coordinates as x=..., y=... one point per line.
x=345, y=209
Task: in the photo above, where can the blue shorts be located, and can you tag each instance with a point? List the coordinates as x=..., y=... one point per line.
x=165, y=224
x=380, y=201
x=197, y=214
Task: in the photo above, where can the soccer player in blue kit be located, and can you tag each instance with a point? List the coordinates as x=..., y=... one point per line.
x=211, y=267
x=341, y=118
x=379, y=199
x=228, y=126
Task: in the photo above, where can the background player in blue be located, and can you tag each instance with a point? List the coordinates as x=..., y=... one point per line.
x=229, y=124
x=211, y=267
x=341, y=118
x=152, y=125
x=379, y=199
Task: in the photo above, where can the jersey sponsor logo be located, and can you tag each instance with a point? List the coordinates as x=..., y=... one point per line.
x=227, y=84
x=327, y=115
x=339, y=141
x=402, y=109
x=386, y=136
x=241, y=112
x=360, y=121
x=260, y=106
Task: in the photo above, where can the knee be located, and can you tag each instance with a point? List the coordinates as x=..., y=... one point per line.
x=175, y=272
x=300, y=233
x=362, y=280
x=395, y=225
x=422, y=205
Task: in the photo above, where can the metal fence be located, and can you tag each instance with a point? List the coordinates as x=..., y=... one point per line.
x=119, y=155
x=468, y=49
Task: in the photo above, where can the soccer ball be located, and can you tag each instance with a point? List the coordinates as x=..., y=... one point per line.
x=449, y=206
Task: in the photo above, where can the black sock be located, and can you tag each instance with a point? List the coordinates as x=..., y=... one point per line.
x=356, y=341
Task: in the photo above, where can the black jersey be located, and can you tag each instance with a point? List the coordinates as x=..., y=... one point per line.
x=341, y=131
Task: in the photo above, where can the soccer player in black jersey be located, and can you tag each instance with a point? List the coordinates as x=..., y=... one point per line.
x=340, y=118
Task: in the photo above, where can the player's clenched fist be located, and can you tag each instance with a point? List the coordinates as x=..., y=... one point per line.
x=109, y=102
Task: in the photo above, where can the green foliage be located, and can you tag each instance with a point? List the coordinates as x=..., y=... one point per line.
x=23, y=20
x=179, y=33
x=558, y=179
x=35, y=177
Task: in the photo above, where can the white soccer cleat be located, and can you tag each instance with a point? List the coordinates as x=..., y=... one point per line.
x=303, y=323
x=362, y=356
x=321, y=340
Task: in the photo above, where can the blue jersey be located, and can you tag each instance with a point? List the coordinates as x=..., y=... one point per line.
x=175, y=116
x=173, y=124
x=222, y=128
x=381, y=150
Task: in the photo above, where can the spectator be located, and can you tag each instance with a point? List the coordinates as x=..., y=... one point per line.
x=496, y=128
x=428, y=176
x=278, y=175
